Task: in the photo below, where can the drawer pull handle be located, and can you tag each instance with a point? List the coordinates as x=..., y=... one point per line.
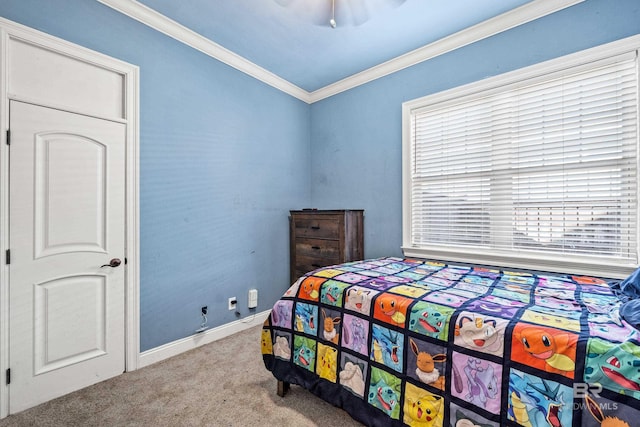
x=315, y=227
x=315, y=247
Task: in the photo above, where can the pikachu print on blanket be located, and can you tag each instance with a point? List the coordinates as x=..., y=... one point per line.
x=422, y=408
x=267, y=344
x=327, y=365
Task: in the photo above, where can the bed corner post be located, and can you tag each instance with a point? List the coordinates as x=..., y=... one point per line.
x=283, y=387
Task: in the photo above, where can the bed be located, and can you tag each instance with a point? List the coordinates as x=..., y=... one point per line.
x=412, y=342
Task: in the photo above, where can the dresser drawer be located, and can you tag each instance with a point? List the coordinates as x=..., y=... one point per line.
x=320, y=238
x=306, y=264
x=327, y=227
x=318, y=248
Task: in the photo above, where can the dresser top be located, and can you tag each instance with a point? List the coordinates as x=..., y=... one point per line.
x=329, y=212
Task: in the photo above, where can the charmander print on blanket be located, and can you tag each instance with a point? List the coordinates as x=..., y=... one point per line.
x=411, y=342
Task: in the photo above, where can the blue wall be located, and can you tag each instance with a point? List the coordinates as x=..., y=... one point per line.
x=223, y=157
x=356, y=136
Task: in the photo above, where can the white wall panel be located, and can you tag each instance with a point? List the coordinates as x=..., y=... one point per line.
x=40, y=75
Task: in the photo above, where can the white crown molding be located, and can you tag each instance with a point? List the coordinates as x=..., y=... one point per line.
x=171, y=28
x=521, y=15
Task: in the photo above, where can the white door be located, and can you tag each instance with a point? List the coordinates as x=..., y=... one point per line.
x=67, y=220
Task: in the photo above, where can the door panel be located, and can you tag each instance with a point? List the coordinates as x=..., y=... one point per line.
x=57, y=186
x=62, y=302
x=67, y=175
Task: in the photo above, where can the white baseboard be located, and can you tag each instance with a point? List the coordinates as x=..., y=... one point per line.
x=189, y=343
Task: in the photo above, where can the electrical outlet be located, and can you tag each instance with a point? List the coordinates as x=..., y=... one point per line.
x=253, y=298
x=203, y=326
x=232, y=303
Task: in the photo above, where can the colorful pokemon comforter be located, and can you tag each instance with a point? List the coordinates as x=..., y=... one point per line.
x=410, y=342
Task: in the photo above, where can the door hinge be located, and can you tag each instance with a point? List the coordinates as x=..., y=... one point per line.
x=7, y=258
x=8, y=379
x=8, y=137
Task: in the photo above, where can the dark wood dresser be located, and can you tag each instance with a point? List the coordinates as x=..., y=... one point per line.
x=320, y=238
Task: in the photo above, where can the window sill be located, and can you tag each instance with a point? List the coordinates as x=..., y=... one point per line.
x=559, y=263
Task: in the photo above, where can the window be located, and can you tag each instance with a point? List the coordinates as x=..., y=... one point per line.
x=539, y=169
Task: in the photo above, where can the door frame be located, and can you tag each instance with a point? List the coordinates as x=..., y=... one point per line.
x=130, y=73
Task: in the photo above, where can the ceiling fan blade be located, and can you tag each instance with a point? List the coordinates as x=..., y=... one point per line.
x=315, y=12
x=358, y=11
x=284, y=3
x=347, y=12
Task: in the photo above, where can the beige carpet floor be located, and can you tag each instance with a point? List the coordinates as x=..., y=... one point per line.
x=223, y=383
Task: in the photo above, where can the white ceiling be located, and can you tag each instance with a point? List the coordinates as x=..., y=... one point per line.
x=292, y=41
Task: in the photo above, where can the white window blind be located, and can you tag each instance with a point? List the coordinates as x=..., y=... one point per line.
x=542, y=167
